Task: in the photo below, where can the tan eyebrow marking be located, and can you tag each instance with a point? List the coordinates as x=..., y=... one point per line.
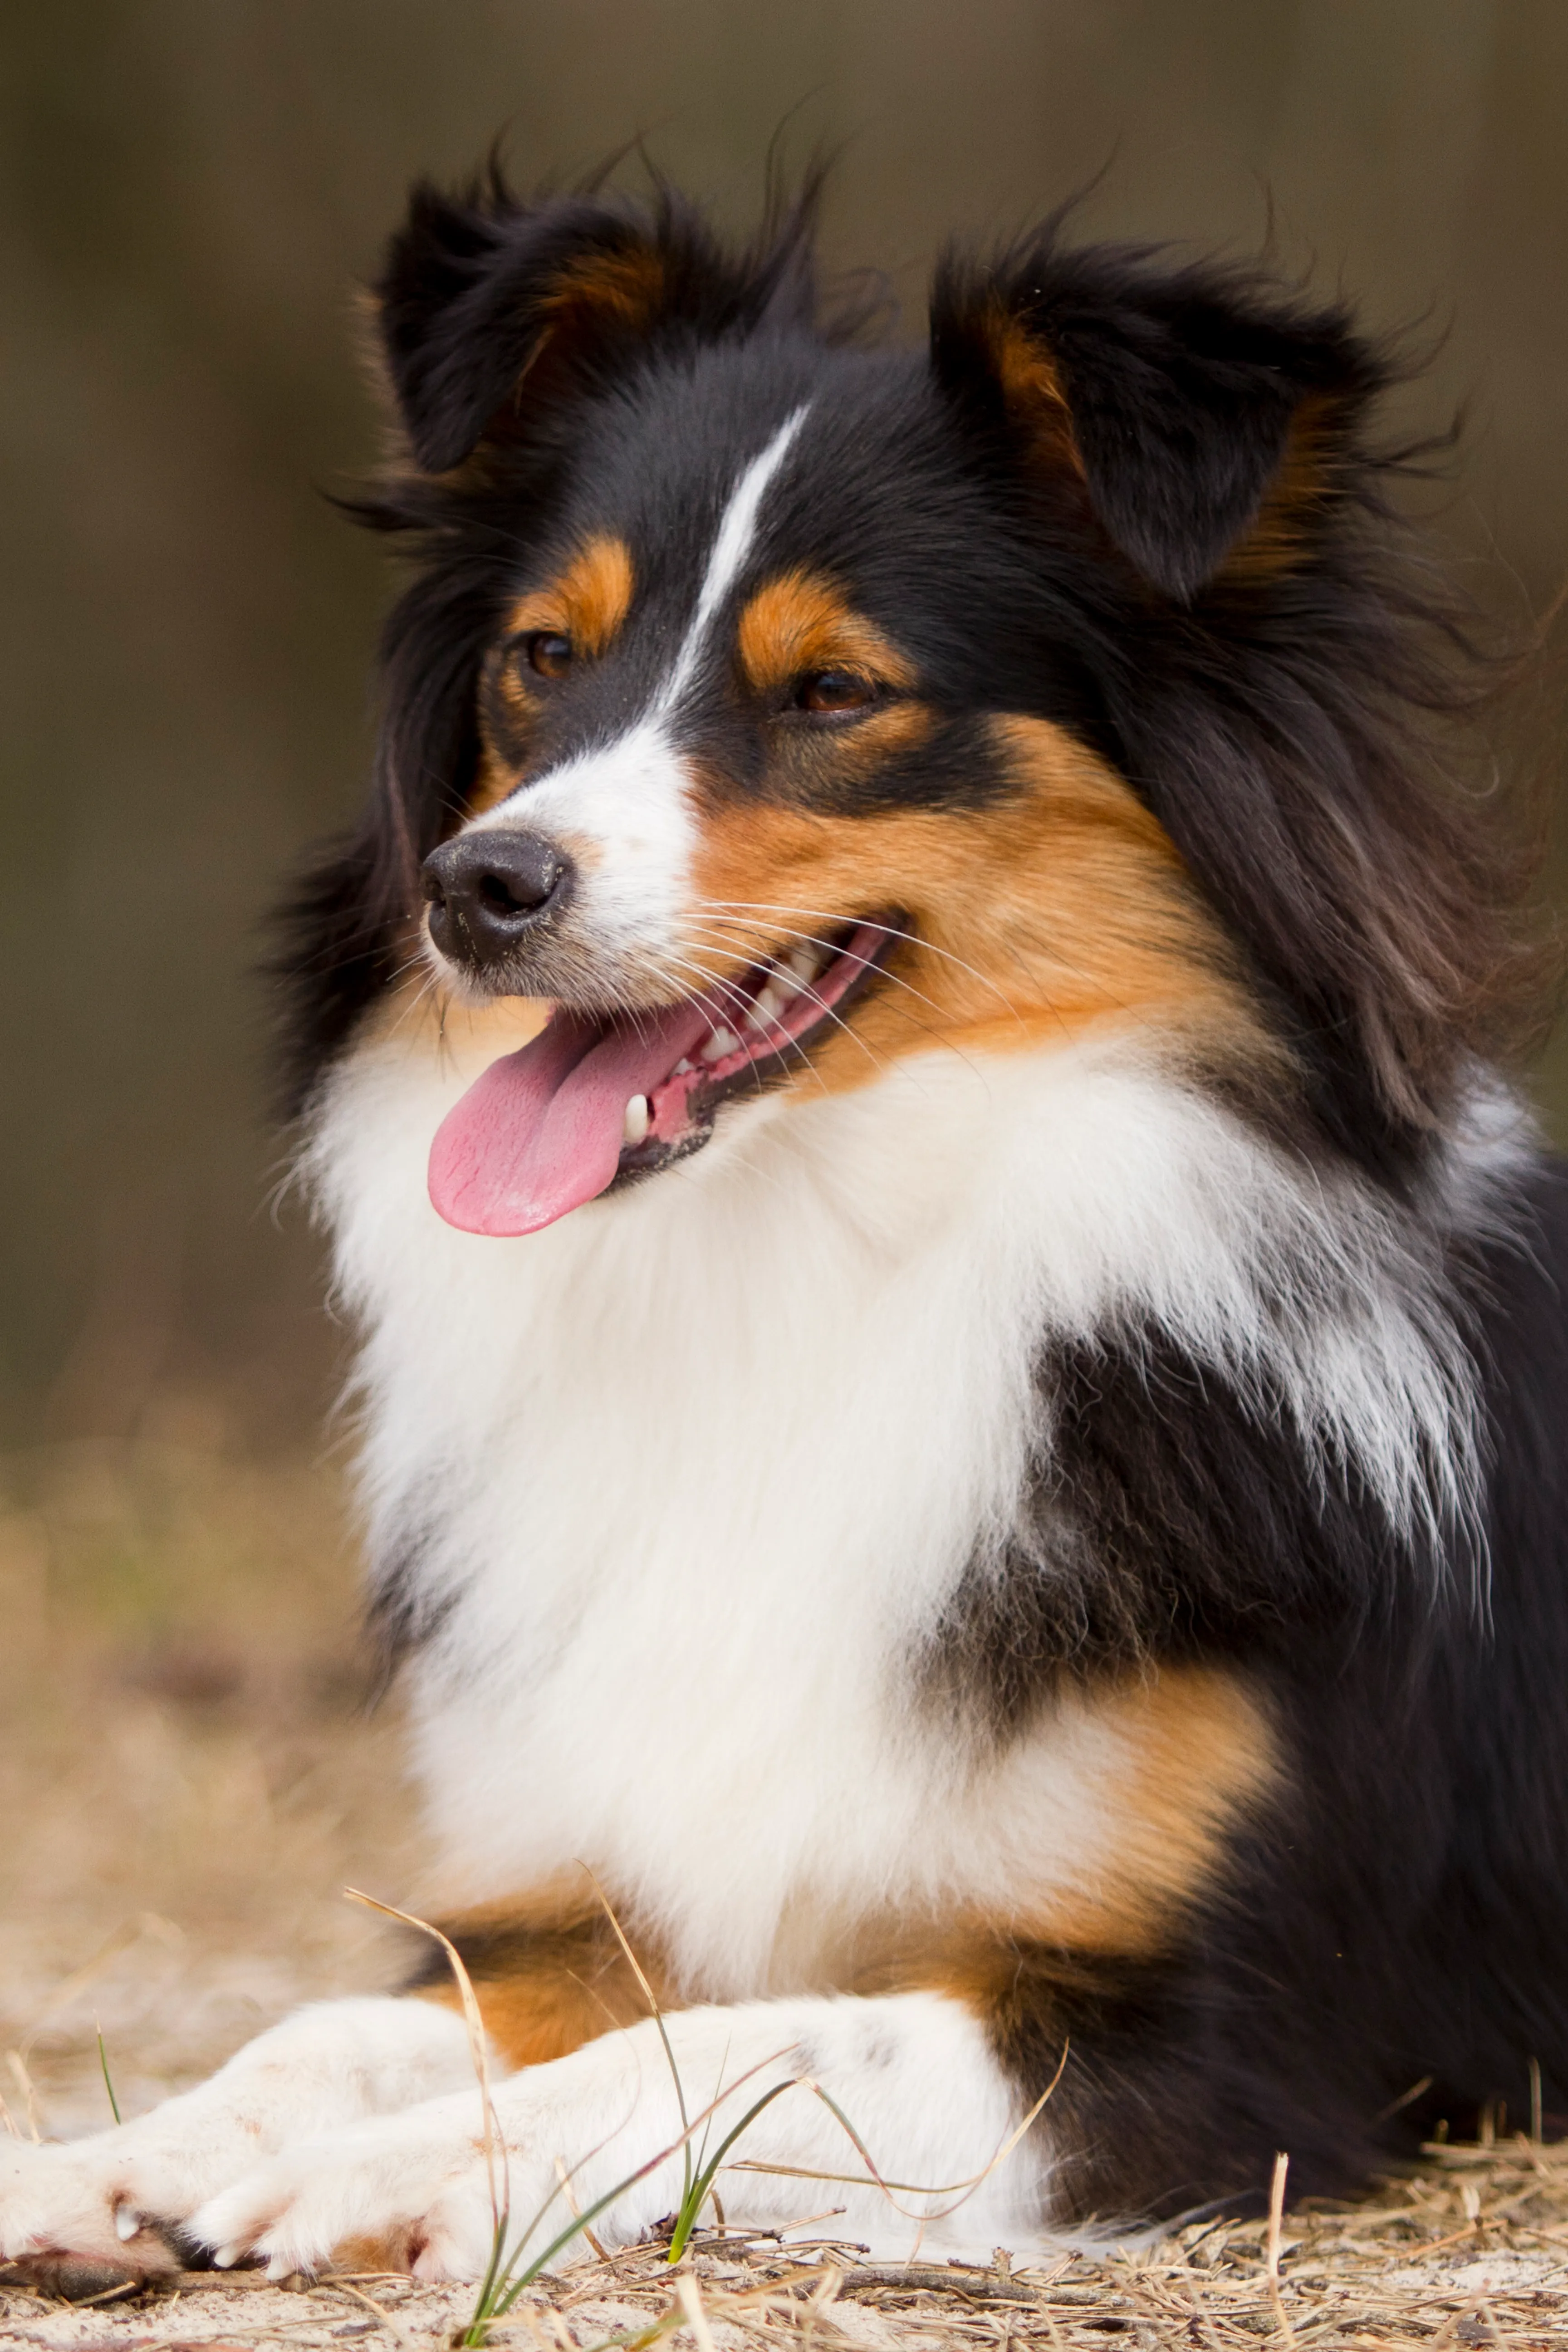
x=588, y=602
x=801, y=622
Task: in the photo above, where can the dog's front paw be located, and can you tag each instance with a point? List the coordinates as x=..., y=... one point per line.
x=80, y=2220
x=117, y=2201
x=121, y=2200
x=402, y=2192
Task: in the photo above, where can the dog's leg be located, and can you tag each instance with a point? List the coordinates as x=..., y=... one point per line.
x=550, y=1974
x=120, y=2198
x=915, y=2074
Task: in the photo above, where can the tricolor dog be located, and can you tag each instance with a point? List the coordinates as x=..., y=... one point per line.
x=965, y=1359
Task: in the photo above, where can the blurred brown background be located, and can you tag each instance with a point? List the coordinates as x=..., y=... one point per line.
x=192, y=189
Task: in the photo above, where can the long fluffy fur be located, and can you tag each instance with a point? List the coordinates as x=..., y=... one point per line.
x=1023, y=1536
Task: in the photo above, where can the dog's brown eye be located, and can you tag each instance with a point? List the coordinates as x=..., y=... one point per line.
x=548, y=652
x=834, y=689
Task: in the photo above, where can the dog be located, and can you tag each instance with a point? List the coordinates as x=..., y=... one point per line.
x=965, y=1357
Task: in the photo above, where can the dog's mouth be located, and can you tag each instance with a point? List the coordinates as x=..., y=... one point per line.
x=589, y=1104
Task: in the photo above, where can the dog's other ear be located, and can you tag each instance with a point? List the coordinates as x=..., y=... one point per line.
x=1202, y=416
x=489, y=306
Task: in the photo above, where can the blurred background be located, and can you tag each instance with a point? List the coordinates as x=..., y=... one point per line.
x=190, y=192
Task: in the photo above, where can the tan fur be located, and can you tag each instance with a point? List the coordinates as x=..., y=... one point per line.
x=800, y=623
x=588, y=602
x=1062, y=906
x=1181, y=1753
x=1278, y=539
x=1280, y=536
x=1188, y=1751
x=495, y=778
x=1032, y=389
x=394, y=2252
x=563, y=1979
x=878, y=735
x=628, y=286
x=418, y=1014
x=1200, y=1750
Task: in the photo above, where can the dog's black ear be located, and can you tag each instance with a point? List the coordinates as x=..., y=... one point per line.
x=490, y=305
x=1201, y=415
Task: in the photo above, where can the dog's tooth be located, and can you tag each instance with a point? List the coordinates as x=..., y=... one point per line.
x=805, y=963
x=767, y=1006
x=723, y=1041
x=635, y=1123
x=127, y=2222
x=683, y=1068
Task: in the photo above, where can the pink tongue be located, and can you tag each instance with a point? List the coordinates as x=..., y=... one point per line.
x=541, y=1131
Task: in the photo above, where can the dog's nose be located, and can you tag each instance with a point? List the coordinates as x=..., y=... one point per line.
x=488, y=890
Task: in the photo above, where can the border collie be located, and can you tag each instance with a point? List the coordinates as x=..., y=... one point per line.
x=964, y=1361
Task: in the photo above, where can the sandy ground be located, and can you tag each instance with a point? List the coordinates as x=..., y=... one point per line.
x=188, y=1777
x=1388, y=2273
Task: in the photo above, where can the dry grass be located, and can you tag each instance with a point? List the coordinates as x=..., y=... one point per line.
x=1472, y=2253
x=186, y=1773
x=187, y=1779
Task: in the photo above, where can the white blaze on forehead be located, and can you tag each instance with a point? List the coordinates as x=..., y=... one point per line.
x=731, y=545
x=631, y=799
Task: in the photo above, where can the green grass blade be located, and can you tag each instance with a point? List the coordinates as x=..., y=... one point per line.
x=687, y=2219
x=103, y=2062
x=509, y=2289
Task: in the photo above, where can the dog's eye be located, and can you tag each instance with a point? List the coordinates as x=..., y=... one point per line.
x=833, y=690
x=547, y=653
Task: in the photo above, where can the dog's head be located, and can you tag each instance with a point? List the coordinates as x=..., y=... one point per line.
x=776, y=707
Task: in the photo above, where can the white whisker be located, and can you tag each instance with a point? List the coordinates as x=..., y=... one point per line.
x=841, y=921
x=802, y=989
x=1078, y=970
x=868, y=963
x=938, y=1037
x=743, y=1004
x=426, y=988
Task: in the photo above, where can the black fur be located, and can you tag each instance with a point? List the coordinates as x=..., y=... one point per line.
x=1401, y=1915
x=1185, y=553
x=1181, y=384
x=1173, y=1514
x=1275, y=726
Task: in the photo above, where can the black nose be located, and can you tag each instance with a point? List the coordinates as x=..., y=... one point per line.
x=488, y=890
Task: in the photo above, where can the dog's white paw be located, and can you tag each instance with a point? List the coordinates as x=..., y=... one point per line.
x=401, y=2192
x=120, y=2200
x=117, y=2204
x=96, y=2212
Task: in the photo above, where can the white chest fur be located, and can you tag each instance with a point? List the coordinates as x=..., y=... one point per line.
x=694, y=1469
